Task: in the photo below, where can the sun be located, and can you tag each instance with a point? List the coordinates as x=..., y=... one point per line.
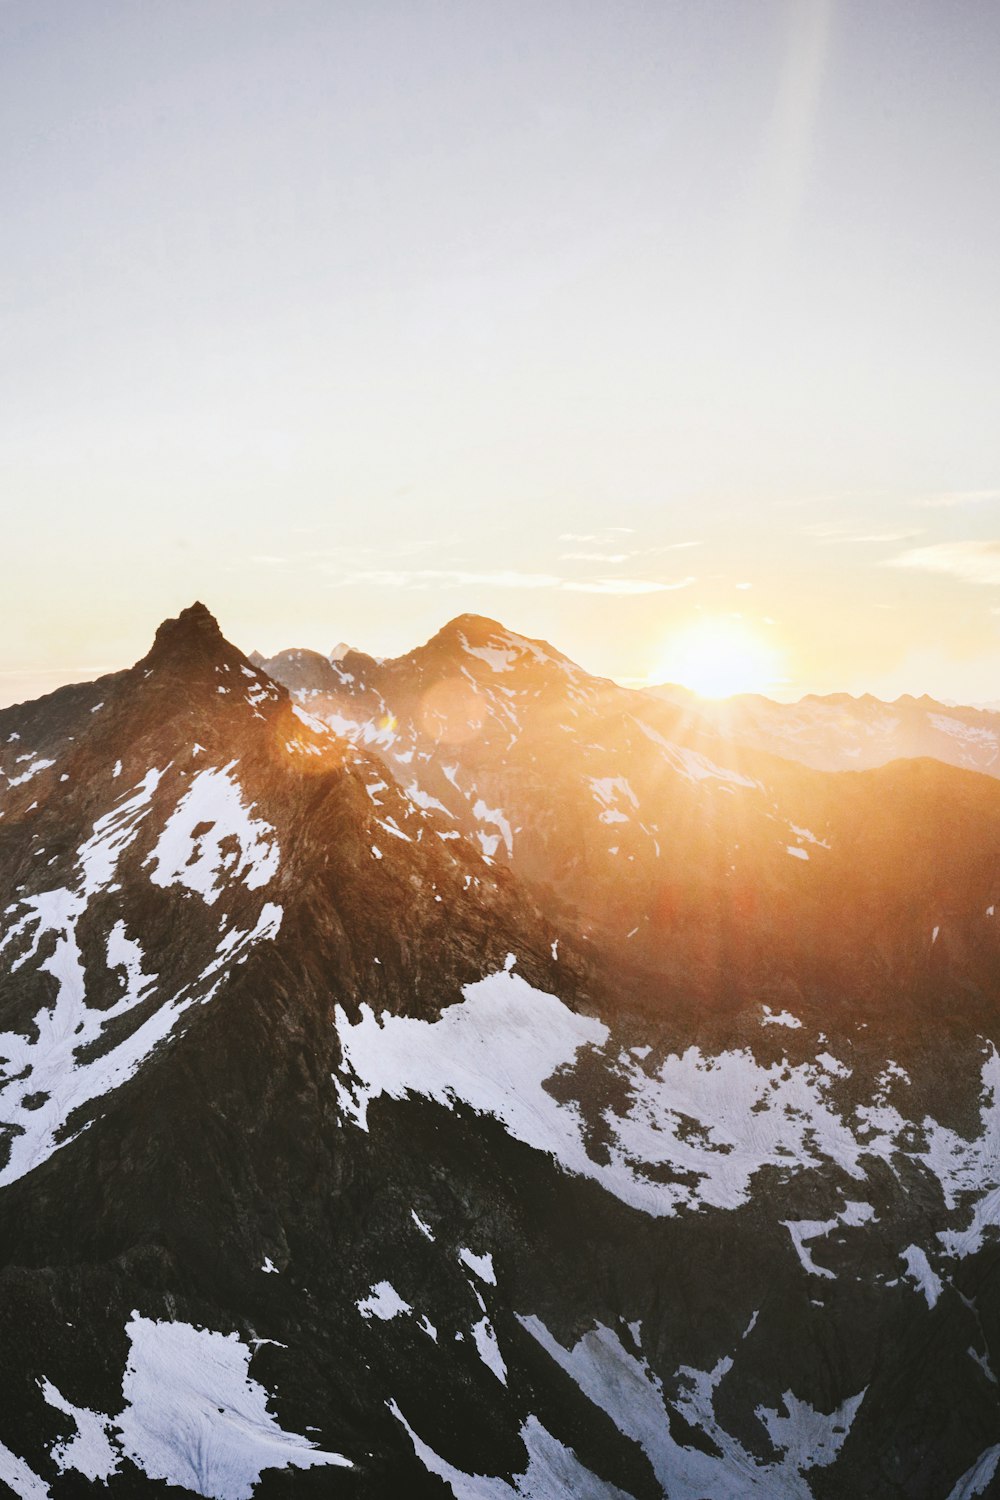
x=716, y=658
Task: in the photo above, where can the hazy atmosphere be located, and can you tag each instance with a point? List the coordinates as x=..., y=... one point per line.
x=606, y=321
x=500, y=750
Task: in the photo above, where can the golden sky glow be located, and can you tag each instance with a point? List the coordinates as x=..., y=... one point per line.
x=717, y=658
x=349, y=319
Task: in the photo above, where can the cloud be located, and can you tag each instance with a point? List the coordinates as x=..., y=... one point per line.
x=449, y=578
x=596, y=536
x=885, y=536
x=500, y=578
x=68, y=673
x=626, y=586
x=605, y=557
x=950, y=498
x=973, y=562
x=833, y=531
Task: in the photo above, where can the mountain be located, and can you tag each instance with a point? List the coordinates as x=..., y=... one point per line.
x=633, y=1133
x=839, y=733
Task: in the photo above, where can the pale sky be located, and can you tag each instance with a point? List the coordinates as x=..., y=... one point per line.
x=598, y=318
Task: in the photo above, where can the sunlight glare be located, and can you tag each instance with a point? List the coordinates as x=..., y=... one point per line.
x=716, y=658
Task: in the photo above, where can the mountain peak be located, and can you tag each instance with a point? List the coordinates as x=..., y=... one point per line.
x=194, y=635
x=478, y=630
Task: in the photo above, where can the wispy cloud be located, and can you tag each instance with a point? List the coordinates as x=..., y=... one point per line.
x=950, y=498
x=832, y=531
x=449, y=578
x=604, y=535
x=971, y=561
x=605, y=557
x=501, y=578
x=79, y=672
x=886, y=536
x=625, y=586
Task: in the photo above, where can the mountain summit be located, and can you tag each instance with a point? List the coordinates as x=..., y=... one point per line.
x=461, y=1076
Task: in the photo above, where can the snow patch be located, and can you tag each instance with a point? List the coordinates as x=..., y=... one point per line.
x=977, y=1480
x=488, y=1349
x=195, y=1418
x=919, y=1269
x=552, y=1470
x=211, y=835
x=481, y=1265
x=632, y=1396
x=19, y=1478
x=89, y=1451
x=383, y=1302
x=780, y=1018
x=714, y=1121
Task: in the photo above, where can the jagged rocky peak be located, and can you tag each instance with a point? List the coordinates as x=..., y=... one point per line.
x=193, y=650
x=299, y=667
x=301, y=1096
x=193, y=636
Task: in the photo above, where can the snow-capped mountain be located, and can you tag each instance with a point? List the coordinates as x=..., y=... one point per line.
x=460, y=1076
x=839, y=733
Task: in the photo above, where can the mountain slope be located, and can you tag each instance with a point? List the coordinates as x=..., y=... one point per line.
x=365, y=1166
x=837, y=732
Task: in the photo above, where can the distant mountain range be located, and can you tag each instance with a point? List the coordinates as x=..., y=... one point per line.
x=461, y=1075
x=841, y=733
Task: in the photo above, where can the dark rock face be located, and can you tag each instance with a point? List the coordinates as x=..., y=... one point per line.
x=459, y=1078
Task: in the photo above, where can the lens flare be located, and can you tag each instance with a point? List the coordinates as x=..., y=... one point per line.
x=717, y=658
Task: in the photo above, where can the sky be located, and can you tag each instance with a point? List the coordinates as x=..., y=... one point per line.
x=612, y=321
